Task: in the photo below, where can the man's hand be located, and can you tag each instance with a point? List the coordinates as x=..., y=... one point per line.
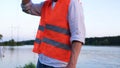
x=71, y=65
x=76, y=47
x=25, y=1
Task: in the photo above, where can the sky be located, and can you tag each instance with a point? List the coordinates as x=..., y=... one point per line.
x=102, y=18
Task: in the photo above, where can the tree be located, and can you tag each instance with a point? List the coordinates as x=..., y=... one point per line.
x=1, y=36
x=12, y=42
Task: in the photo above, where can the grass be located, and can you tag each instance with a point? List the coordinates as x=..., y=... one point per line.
x=30, y=65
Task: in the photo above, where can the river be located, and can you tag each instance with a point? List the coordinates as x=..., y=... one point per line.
x=90, y=56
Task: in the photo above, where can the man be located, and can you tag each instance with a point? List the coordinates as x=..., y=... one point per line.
x=61, y=32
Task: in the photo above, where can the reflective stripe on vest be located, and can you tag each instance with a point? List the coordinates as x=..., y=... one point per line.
x=54, y=43
x=37, y=40
x=41, y=28
x=54, y=28
x=58, y=29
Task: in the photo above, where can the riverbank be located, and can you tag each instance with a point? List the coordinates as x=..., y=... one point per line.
x=94, y=41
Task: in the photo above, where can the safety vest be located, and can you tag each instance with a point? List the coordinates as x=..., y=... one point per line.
x=53, y=35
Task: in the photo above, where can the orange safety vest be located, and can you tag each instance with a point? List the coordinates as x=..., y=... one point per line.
x=53, y=35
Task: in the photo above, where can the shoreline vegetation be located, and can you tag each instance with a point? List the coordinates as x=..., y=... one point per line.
x=29, y=65
x=94, y=41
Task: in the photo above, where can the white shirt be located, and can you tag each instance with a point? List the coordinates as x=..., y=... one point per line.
x=76, y=23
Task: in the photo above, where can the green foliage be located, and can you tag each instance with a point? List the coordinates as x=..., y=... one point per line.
x=103, y=41
x=28, y=42
x=30, y=65
x=10, y=42
x=1, y=36
x=115, y=40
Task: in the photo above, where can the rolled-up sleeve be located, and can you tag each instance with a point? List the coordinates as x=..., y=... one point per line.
x=33, y=9
x=76, y=21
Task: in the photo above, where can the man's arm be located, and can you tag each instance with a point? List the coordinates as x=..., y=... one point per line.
x=76, y=47
x=30, y=8
x=77, y=29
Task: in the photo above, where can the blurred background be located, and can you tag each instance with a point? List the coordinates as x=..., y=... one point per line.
x=102, y=21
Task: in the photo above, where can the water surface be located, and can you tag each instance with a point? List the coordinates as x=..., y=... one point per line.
x=90, y=57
